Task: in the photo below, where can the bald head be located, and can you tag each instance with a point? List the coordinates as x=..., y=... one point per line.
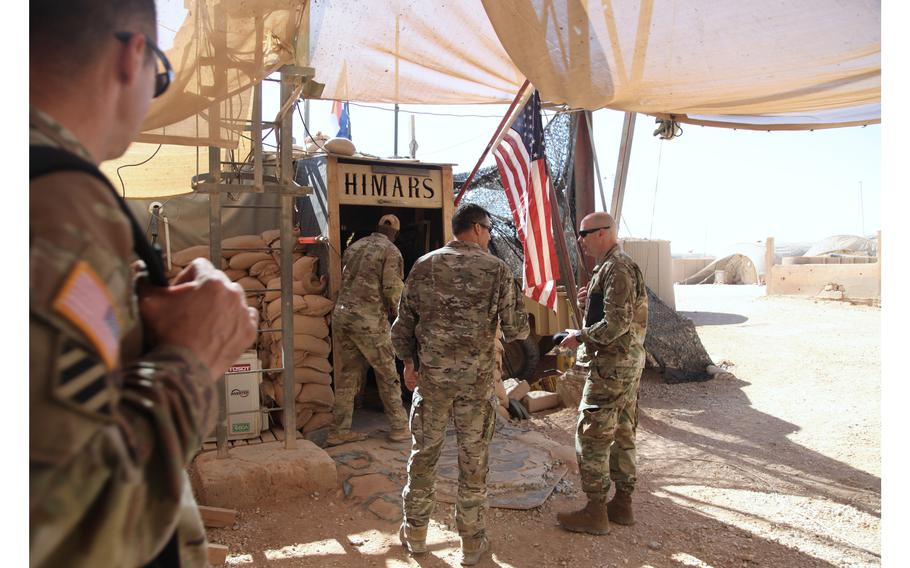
x=597, y=234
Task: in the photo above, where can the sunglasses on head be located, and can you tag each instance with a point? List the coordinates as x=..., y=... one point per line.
x=585, y=232
x=162, y=78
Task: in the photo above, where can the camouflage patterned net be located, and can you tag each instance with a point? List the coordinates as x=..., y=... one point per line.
x=672, y=343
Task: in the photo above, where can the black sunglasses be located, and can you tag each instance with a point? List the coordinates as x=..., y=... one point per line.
x=585, y=232
x=489, y=227
x=162, y=78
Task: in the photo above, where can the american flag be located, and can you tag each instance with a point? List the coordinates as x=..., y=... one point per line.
x=523, y=167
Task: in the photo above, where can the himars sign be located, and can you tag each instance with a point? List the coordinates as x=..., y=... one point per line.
x=389, y=185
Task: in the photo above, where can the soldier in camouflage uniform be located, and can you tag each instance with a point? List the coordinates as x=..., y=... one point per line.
x=370, y=290
x=121, y=387
x=616, y=319
x=452, y=302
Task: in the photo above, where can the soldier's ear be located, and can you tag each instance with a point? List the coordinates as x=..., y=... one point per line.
x=131, y=58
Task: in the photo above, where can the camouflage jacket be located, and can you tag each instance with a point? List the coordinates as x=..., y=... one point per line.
x=616, y=315
x=453, y=300
x=111, y=430
x=371, y=284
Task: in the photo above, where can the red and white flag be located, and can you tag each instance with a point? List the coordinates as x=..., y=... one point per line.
x=523, y=167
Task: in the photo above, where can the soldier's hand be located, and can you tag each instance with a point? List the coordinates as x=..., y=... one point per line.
x=571, y=340
x=411, y=376
x=582, y=297
x=202, y=311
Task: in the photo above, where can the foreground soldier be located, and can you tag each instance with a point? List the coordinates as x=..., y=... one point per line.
x=370, y=290
x=121, y=388
x=453, y=300
x=616, y=318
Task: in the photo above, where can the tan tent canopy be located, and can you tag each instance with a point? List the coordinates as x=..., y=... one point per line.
x=761, y=64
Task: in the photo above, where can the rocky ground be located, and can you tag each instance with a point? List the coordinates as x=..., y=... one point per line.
x=776, y=467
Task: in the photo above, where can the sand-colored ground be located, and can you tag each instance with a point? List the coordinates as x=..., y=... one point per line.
x=778, y=467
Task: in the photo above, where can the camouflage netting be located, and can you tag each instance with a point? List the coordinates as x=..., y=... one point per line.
x=672, y=344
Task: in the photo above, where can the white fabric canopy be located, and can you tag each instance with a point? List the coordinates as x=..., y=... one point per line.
x=761, y=64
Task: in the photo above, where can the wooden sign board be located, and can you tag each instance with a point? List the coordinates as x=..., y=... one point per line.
x=393, y=186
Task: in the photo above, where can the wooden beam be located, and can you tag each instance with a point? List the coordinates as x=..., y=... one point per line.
x=216, y=517
x=217, y=554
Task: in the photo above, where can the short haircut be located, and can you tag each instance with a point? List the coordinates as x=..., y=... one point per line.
x=387, y=230
x=67, y=35
x=466, y=215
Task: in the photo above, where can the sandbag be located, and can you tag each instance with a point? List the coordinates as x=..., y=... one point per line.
x=275, y=284
x=316, y=305
x=267, y=388
x=235, y=274
x=304, y=266
x=342, y=146
x=304, y=415
x=268, y=237
x=279, y=391
x=307, y=325
x=319, y=420
x=306, y=375
x=241, y=241
x=263, y=266
x=246, y=260
x=185, y=256
x=321, y=364
x=313, y=345
x=320, y=395
x=314, y=284
x=273, y=310
x=249, y=283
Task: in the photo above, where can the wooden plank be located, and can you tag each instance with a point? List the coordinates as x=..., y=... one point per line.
x=217, y=554
x=217, y=517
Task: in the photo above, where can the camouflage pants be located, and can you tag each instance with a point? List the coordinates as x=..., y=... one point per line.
x=474, y=423
x=356, y=352
x=605, y=436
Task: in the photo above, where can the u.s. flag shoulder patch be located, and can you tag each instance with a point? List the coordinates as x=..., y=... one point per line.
x=85, y=301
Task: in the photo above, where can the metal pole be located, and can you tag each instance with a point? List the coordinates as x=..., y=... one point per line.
x=622, y=166
x=221, y=426
x=562, y=254
x=600, y=181
x=396, y=130
x=287, y=265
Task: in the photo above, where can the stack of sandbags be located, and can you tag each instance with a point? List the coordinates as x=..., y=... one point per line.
x=313, y=395
x=256, y=268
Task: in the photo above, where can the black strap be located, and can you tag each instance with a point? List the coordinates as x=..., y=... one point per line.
x=44, y=160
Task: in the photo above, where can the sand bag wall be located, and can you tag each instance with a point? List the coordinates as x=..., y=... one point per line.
x=258, y=271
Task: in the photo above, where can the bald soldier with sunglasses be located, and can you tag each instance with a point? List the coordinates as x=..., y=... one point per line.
x=122, y=367
x=613, y=336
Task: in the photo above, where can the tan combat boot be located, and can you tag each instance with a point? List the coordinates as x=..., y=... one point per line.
x=344, y=438
x=402, y=435
x=473, y=549
x=592, y=519
x=620, y=508
x=413, y=538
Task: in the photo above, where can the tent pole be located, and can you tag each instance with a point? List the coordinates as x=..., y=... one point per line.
x=622, y=167
x=503, y=124
x=562, y=253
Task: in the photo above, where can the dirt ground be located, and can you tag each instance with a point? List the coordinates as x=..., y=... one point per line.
x=778, y=467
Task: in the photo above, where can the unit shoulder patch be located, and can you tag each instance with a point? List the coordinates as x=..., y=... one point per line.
x=82, y=380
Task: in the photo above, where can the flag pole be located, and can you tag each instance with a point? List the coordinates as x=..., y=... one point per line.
x=562, y=254
x=497, y=136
